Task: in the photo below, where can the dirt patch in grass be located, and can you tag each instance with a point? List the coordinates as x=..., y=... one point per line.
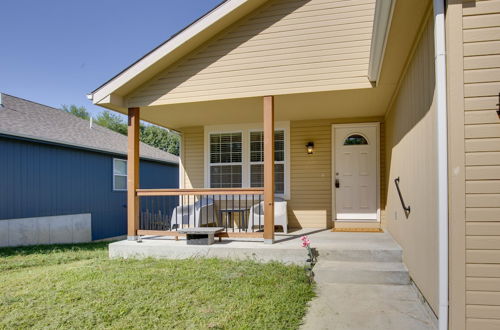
x=79, y=287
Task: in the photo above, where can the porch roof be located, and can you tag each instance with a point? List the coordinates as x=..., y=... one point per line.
x=361, y=99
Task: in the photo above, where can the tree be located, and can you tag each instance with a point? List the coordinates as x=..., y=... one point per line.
x=160, y=138
x=155, y=136
x=111, y=121
x=77, y=111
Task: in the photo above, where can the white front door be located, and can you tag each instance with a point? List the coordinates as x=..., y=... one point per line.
x=355, y=171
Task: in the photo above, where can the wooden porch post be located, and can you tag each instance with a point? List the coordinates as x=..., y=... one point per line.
x=133, y=174
x=268, y=169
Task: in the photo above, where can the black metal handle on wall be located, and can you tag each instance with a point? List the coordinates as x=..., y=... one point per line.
x=406, y=208
x=498, y=105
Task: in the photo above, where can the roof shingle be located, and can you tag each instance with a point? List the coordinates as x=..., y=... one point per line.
x=28, y=119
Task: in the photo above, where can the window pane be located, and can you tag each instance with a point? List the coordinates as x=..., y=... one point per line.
x=225, y=176
x=120, y=167
x=257, y=146
x=355, y=139
x=225, y=148
x=120, y=182
x=279, y=178
x=257, y=177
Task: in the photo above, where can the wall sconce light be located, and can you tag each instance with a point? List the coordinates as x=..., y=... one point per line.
x=310, y=148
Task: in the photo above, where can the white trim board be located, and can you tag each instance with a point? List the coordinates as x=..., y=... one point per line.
x=355, y=125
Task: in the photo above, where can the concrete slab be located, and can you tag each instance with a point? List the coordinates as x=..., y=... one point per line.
x=61, y=230
x=4, y=233
x=368, y=306
x=22, y=232
x=361, y=272
x=287, y=247
x=43, y=230
x=82, y=224
x=71, y=228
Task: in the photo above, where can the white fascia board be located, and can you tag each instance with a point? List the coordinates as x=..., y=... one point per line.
x=155, y=56
x=381, y=24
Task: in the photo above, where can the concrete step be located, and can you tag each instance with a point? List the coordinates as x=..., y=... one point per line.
x=327, y=272
x=368, y=255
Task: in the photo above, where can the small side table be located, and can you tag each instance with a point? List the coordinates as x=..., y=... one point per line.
x=200, y=235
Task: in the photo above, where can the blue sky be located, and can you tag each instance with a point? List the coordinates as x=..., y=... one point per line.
x=56, y=51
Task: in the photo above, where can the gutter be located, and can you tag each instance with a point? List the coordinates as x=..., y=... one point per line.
x=442, y=160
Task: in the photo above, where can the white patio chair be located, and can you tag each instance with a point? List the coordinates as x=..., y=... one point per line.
x=202, y=212
x=280, y=214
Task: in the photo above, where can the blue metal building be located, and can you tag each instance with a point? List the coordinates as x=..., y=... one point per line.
x=53, y=163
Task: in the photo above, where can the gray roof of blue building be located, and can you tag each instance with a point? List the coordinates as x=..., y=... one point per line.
x=26, y=119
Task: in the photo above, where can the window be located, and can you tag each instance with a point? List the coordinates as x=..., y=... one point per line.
x=119, y=174
x=355, y=139
x=257, y=160
x=225, y=160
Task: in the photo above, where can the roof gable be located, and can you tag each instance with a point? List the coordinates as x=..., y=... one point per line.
x=284, y=47
x=229, y=11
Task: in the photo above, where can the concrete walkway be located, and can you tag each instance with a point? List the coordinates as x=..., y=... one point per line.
x=367, y=306
x=362, y=291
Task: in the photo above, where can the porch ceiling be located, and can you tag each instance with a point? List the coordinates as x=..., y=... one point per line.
x=367, y=102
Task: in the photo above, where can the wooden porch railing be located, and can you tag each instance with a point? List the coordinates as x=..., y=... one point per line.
x=240, y=211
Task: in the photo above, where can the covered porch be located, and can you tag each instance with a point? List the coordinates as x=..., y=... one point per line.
x=245, y=154
x=274, y=159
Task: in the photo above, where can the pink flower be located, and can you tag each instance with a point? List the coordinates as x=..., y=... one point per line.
x=305, y=241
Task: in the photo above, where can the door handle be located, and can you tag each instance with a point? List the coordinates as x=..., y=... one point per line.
x=337, y=183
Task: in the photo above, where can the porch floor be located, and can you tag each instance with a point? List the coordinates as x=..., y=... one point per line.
x=287, y=249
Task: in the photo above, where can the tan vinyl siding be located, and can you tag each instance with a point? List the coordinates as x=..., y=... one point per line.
x=310, y=204
x=311, y=189
x=481, y=44
x=410, y=135
x=278, y=49
x=192, y=158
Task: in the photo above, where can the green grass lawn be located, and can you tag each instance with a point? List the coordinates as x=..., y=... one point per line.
x=77, y=286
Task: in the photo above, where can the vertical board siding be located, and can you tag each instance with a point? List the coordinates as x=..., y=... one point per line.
x=481, y=44
x=192, y=158
x=286, y=46
x=410, y=151
x=44, y=180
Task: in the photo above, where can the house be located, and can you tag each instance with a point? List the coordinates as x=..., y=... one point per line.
x=63, y=179
x=378, y=113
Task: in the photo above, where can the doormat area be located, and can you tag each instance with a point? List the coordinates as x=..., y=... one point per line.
x=358, y=230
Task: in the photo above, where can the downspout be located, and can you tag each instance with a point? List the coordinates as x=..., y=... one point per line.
x=442, y=160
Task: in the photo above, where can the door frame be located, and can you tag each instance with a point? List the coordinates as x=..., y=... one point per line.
x=356, y=125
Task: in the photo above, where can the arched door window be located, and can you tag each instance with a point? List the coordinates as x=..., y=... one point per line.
x=355, y=139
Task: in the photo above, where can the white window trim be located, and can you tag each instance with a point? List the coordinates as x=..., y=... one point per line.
x=114, y=174
x=245, y=129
